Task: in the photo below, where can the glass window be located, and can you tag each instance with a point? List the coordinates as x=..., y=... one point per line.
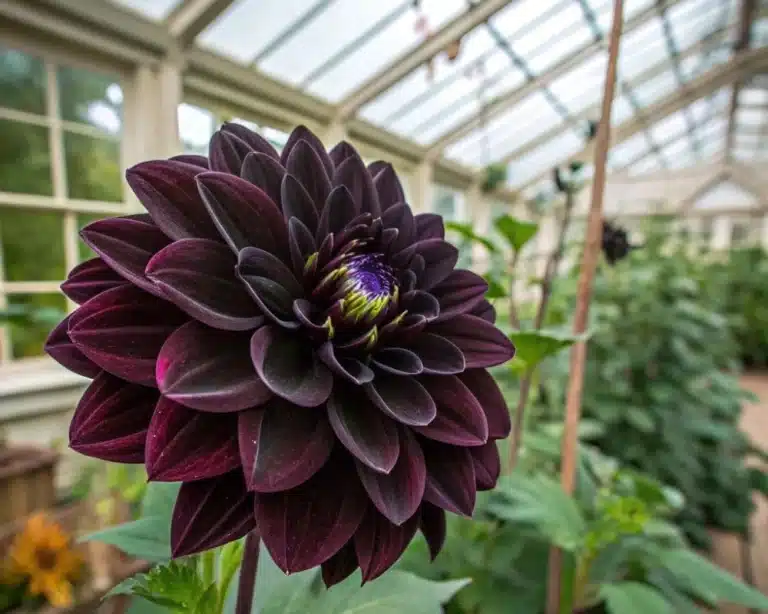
x=22, y=82
x=544, y=158
x=93, y=168
x=32, y=244
x=43, y=312
x=90, y=98
x=25, y=161
x=196, y=126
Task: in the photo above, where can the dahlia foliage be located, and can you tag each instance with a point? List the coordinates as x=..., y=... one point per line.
x=281, y=334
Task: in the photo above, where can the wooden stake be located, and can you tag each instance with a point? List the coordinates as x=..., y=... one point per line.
x=584, y=292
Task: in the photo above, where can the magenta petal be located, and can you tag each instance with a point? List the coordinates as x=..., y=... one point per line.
x=388, y=186
x=460, y=420
x=289, y=367
x=459, y=293
x=111, y=420
x=298, y=203
x=353, y=174
x=440, y=258
x=184, y=445
x=438, y=355
x=126, y=244
x=487, y=392
x=209, y=370
x=307, y=525
x=433, y=527
x=487, y=465
x=60, y=347
x=282, y=445
x=197, y=275
x=265, y=173
x=243, y=213
x=168, y=190
x=398, y=494
x=368, y=434
x=210, y=513
x=348, y=368
x=450, y=477
x=305, y=164
x=482, y=344
x=340, y=566
x=429, y=226
x=122, y=331
x=402, y=398
x=379, y=543
x=303, y=134
x=485, y=311
x=88, y=279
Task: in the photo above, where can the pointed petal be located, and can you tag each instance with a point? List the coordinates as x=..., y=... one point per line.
x=307, y=525
x=338, y=211
x=459, y=293
x=227, y=152
x=433, y=527
x=211, y=513
x=193, y=159
x=421, y=303
x=219, y=381
x=266, y=173
x=282, y=445
x=352, y=174
x=487, y=465
x=340, y=152
x=402, y=398
x=400, y=216
x=270, y=283
x=122, y=331
x=197, y=275
x=398, y=361
x=306, y=165
x=88, y=279
x=487, y=392
x=438, y=355
x=397, y=494
x=485, y=311
x=253, y=139
x=482, y=344
x=243, y=213
x=184, y=445
x=290, y=368
x=348, y=368
x=302, y=245
x=111, y=420
x=429, y=226
x=450, y=477
x=440, y=258
x=379, y=543
x=126, y=245
x=388, y=186
x=460, y=420
x=60, y=347
x=340, y=566
x=302, y=133
x=167, y=189
x=298, y=203
x=366, y=433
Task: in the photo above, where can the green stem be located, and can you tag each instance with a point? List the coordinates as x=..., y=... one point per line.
x=209, y=567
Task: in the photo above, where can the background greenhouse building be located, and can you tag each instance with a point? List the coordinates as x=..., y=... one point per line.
x=485, y=108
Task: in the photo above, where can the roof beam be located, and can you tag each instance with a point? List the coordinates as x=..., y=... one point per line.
x=746, y=18
x=413, y=59
x=191, y=17
x=509, y=99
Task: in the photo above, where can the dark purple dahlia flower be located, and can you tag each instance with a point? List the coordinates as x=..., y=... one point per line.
x=283, y=336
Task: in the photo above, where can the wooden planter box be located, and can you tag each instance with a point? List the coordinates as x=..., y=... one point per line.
x=26, y=481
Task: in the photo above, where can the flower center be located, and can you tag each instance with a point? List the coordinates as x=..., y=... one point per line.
x=46, y=557
x=367, y=287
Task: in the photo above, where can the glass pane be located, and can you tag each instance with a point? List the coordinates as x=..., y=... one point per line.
x=90, y=98
x=668, y=127
x=444, y=203
x=543, y=159
x=22, y=81
x=657, y=88
x=154, y=9
x=641, y=49
x=25, y=163
x=622, y=110
x=195, y=128
x=750, y=117
x=83, y=219
x=753, y=96
x=42, y=313
x=93, y=168
x=583, y=86
x=32, y=244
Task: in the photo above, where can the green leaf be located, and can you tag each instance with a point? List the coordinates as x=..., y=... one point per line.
x=207, y=603
x=634, y=598
x=466, y=232
x=147, y=538
x=160, y=499
x=142, y=606
x=495, y=288
x=516, y=232
x=533, y=346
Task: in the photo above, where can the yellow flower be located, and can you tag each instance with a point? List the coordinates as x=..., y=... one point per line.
x=42, y=553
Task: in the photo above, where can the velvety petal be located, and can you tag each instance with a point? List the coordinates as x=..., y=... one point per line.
x=348, y=368
x=111, y=420
x=266, y=173
x=298, y=203
x=339, y=210
x=400, y=216
x=485, y=311
x=388, y=186
x=122, y=331
x=482, y=344
x=126, y=245
x=433, y=527
x=197, y=275
x=340, y=152
x=368, y=434
x=379, y=543
x=398, y=361
x=487, y=392
x=402, y=398
x=429, y=226
x=167, y=189
x=440, y=258
x=244, y=214
x=306, y=165
x=421, y=303
x=253, y=139
x=88, y=279
x=340, y=566
x=460, y=419
x=219, y=381
x=282, y=445
x=438, y=355
x=289, y=367
x=193, y=159
x=227, y=152
x=305, y=526
x=487, y=465
x=355, y=177
x=270, y=283
x=450, y=477
x=302, y=133
x=210, y=513
x=184, y=445
x=459, y=293
x=60, y=347
x=397, y=494
x=302, y=245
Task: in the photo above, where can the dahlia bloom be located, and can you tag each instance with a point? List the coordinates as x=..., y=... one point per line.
x=283, y=336
x=615, y=243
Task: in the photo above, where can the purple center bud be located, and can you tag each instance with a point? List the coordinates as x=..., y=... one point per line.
x=367, y=287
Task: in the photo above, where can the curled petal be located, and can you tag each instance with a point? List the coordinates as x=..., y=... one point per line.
x=487, y=392
x=88, y=279
x=388, y=186
x=305, y=526
x=398, y=361
x=433, y=527
x=440, y=258
x=282, y=445
x=193, y=159
x=421, y=303
x=301, y=243
x=197, y=275
x=302, y=133
x=339, y=210
x=231, y=145
x=485, y=311
x=438, y=355
x=111, y=420
x=210, y=513
x=305, y=163
x=487, y=465
x=402, y=398
x=290, y=368
x=253, y=139
x=352, y=174
x=219, y=381
x=297, y=203
x=340, y=566
x=459, y=293
x=379, y=543
x=460, y=419
x=400, y=217
x=482, y=344
x=348, y=368
x=184, y=445
x=60, y=347
x=270, y=283
x=429, y=226
x=266, y=173
x=450, y=477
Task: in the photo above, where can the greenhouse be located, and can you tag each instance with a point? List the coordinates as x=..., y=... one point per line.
x=406, y=306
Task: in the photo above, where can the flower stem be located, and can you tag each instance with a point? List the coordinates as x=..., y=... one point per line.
x=248, y=571
x=209, y=567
